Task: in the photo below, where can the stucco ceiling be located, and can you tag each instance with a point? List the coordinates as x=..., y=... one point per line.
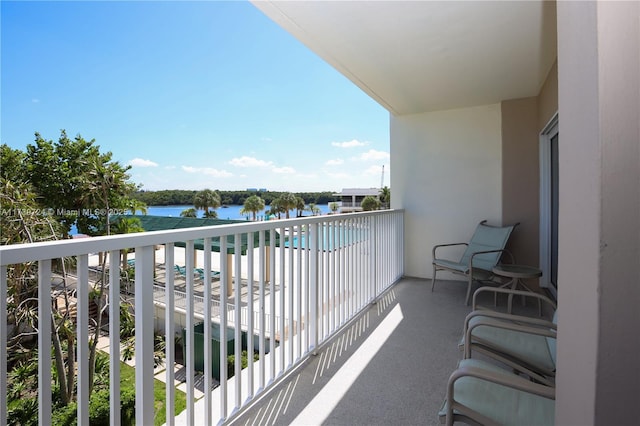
x=418, y=56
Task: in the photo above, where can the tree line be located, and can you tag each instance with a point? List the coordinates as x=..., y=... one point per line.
x=170, y=197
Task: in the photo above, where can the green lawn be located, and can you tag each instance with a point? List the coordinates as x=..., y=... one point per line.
x=127, y=378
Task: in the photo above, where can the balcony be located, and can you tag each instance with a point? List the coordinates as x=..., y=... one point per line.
x=288, y=286
x=389, y=366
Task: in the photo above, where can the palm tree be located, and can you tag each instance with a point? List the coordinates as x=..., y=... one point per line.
x=333, y=207
x=299, y=206
x=191, y=212
x=134, y=205
x=288, y=202
x=276, y=208
x=252, y=205
x=127, y=225
x=205, y=199
x=315, y=210
x=385, y=197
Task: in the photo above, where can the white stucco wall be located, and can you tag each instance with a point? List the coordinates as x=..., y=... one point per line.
x=451, y=179
x=598, y=374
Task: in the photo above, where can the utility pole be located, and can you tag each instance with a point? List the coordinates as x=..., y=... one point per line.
x=382, y=178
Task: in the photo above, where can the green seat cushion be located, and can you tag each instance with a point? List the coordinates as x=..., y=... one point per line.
x=530, y=348
x=504, y=405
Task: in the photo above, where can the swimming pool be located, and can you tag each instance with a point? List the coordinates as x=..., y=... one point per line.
x=331, y=237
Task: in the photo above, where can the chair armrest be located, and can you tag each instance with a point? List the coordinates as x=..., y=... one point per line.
x=433, y=251
x=506, y=379
x=520, y=320
x=501, y=378
x=484, y=252
x=515, y=323
x=496, y=290
x=489, y=251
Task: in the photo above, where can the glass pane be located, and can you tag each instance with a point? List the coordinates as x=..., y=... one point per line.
x=554, y=210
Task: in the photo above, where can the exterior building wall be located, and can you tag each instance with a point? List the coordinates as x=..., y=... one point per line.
x=548, y=98
x=521, y=177
x=451, y=178
x=522, y=122
x=598, y=379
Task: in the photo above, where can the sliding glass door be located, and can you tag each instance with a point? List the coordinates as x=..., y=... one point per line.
x=549, y=180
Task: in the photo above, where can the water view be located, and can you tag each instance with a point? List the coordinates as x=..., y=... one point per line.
x=229, y=212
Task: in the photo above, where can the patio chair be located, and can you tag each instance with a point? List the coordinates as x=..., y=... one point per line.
x=180, y=270
x=482, y=253
x=482, y=393
x=526, y=344
x=214, y=274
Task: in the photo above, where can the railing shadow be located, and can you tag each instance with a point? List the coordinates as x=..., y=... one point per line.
x=388, y=366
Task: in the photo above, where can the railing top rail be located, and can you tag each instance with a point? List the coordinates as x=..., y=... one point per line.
x=19, y=253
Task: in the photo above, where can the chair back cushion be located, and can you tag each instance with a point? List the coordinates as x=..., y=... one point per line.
x=485, y=238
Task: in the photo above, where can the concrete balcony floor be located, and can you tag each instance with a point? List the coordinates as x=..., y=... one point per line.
x=390, y=366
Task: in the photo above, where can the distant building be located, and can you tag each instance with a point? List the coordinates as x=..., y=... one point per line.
x=351, y=198
x=256, y=190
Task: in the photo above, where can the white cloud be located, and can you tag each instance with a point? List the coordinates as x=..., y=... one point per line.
x=283, y=170
x=373, y=155
x=336, y=162
x=249, y=162
x=140, y=162
x=349, y=144
x=207, y=171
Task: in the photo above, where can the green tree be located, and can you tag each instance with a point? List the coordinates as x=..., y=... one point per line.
x=288, y=202
x=385, y=197
x=190, y=212
x=133, y=205
x=276, y=207
x=370, y=203
x=77, y=181
x=252, y=205
x=205, y=199
x=126, y=225
x=333, y=207
x=315, y=210
x=300, y=205
x=12, y=164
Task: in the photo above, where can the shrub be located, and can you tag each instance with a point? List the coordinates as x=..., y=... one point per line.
x=99, y=407
x=231, y=362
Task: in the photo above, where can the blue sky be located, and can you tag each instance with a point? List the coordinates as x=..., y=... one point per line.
x=192, y=95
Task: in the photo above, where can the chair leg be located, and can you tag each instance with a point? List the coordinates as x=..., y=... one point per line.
x=469, y=289
x=433, y=280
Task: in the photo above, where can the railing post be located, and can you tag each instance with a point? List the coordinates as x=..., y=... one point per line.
x=272, y=302
x=313, y=288
x=224, y=272
x=3, y=345
x=114, y=337
x=189, y=343
x=208, y=401
x=373, y=254
x=82, y=350
x=144, y=335
x=169, y=324
x=44, y=342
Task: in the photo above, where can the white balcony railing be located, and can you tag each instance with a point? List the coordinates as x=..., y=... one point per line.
x=293, y=285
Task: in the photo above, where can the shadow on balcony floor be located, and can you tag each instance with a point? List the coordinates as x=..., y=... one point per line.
x=389, y=367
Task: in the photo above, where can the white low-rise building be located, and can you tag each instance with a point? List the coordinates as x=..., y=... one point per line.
x=351, y=198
